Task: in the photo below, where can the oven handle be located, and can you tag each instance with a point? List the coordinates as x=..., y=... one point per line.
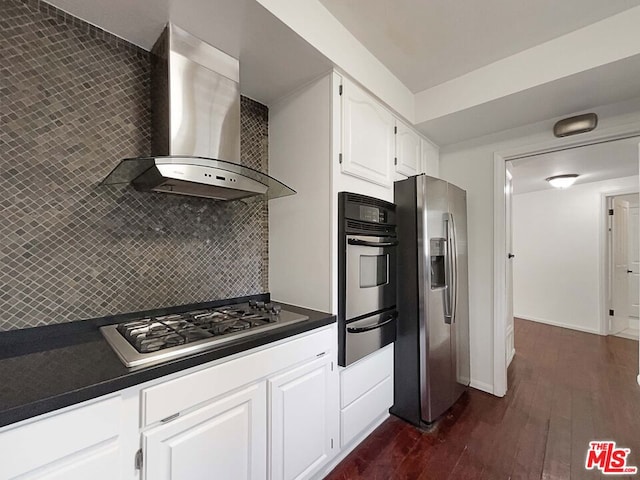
x=364, y=243
x=368, y=328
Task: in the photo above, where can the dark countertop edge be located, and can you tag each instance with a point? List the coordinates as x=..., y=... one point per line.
x=143, y=375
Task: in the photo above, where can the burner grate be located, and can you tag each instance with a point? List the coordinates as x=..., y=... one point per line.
x=157, y=333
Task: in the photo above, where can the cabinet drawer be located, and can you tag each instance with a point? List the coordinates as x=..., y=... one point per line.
x=174, y=396
x=361, y=413
x=39, y=443
x=365, y=374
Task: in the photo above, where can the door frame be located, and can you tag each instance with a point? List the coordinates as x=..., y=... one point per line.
x=604, y=249
x=499, y=230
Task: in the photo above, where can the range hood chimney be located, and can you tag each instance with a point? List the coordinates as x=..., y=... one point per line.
x=195, y=106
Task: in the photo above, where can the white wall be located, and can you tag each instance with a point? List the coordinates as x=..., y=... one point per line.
x=300, y=235
x=557, y=242
x=470, y=166
x=313, y=22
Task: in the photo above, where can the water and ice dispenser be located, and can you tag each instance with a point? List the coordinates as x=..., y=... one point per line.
x=438, y=252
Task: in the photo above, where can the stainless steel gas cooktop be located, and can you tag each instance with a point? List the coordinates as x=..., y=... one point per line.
x=151, y=340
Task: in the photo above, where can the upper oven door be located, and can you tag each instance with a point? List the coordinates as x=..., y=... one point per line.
x=371, y=273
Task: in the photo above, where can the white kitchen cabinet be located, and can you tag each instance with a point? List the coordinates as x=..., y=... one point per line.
x=223, y=420
x=78, y=443
x=366, y=393
x=408, y=150
x=301, y=420
x=430, y=158
x=225, y=439
x=368, y=142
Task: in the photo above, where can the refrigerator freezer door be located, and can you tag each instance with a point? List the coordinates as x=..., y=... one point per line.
x=460, y=367
x=435, y=331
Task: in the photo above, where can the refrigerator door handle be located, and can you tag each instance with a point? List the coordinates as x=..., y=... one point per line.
x=449, y=302
x=454, y=259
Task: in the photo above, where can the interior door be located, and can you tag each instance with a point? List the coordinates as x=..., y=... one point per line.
x=508, y=194
x=619, y=321
x=633, y=276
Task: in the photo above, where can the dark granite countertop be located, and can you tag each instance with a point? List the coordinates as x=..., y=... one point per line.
x=46, y=368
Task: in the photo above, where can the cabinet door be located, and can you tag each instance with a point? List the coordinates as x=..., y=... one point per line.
x=81, y=442
x=368, y=136
x=225, y=439
x=300, y=420
x=430, y=158
x=407, y=150
x=97, y=464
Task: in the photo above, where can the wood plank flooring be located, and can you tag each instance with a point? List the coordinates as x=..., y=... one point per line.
x=565, y=389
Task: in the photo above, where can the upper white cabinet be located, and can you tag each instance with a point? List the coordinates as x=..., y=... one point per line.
x=301, y=423
x=367, y=136
x=408, y=150
x=430, y=158
x=225, y=439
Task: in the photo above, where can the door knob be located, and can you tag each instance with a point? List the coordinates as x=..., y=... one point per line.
x=629, y=271
x=510, y=256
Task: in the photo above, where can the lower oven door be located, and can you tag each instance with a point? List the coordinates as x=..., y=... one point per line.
x=370, y=275
x=366, y=335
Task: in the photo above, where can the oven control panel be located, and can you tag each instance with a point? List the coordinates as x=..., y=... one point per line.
x=364, y=215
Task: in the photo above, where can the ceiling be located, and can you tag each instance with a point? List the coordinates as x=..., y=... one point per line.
x=422, y=42
x=427, y=42
x=563, y=97
x=593, y=163
x=274, y=60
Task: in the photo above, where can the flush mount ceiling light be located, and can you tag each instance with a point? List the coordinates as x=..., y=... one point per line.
x=574, y=125
x=563, y=181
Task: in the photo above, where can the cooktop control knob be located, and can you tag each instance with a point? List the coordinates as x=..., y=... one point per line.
x=275, y=309
x=252, y=303
x=259, y=305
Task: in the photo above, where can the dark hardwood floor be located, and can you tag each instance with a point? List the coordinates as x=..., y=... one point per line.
x=565, y=389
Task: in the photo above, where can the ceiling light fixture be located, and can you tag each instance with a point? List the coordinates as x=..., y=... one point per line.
x=563, y=181
x=574, y=125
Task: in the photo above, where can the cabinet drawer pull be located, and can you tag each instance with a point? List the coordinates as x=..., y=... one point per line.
x=170, y=417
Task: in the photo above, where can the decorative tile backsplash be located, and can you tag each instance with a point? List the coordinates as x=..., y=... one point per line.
x=75, y=100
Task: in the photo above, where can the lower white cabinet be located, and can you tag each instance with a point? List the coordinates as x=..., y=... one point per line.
x=78, y=443
x=300, y=435
x=273, y=413
x=366, y=393
x=278, y=420
x=225, y=439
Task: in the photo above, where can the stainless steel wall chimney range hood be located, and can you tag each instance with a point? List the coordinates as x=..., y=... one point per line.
x=195, y=105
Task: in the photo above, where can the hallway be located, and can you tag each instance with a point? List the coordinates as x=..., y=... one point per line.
x=565, y=389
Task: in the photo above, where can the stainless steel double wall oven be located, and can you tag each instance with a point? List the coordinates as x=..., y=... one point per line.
x=367, y=244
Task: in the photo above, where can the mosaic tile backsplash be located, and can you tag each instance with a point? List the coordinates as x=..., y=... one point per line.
x=74, y=101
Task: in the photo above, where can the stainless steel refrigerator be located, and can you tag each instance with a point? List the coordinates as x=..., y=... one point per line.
x=432, y=347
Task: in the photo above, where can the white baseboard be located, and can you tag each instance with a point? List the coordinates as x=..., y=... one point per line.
x=629, y=334
x=349, y=448
x=638, y=379
x=485, y=387
x=511, y=355
x=559, y=324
